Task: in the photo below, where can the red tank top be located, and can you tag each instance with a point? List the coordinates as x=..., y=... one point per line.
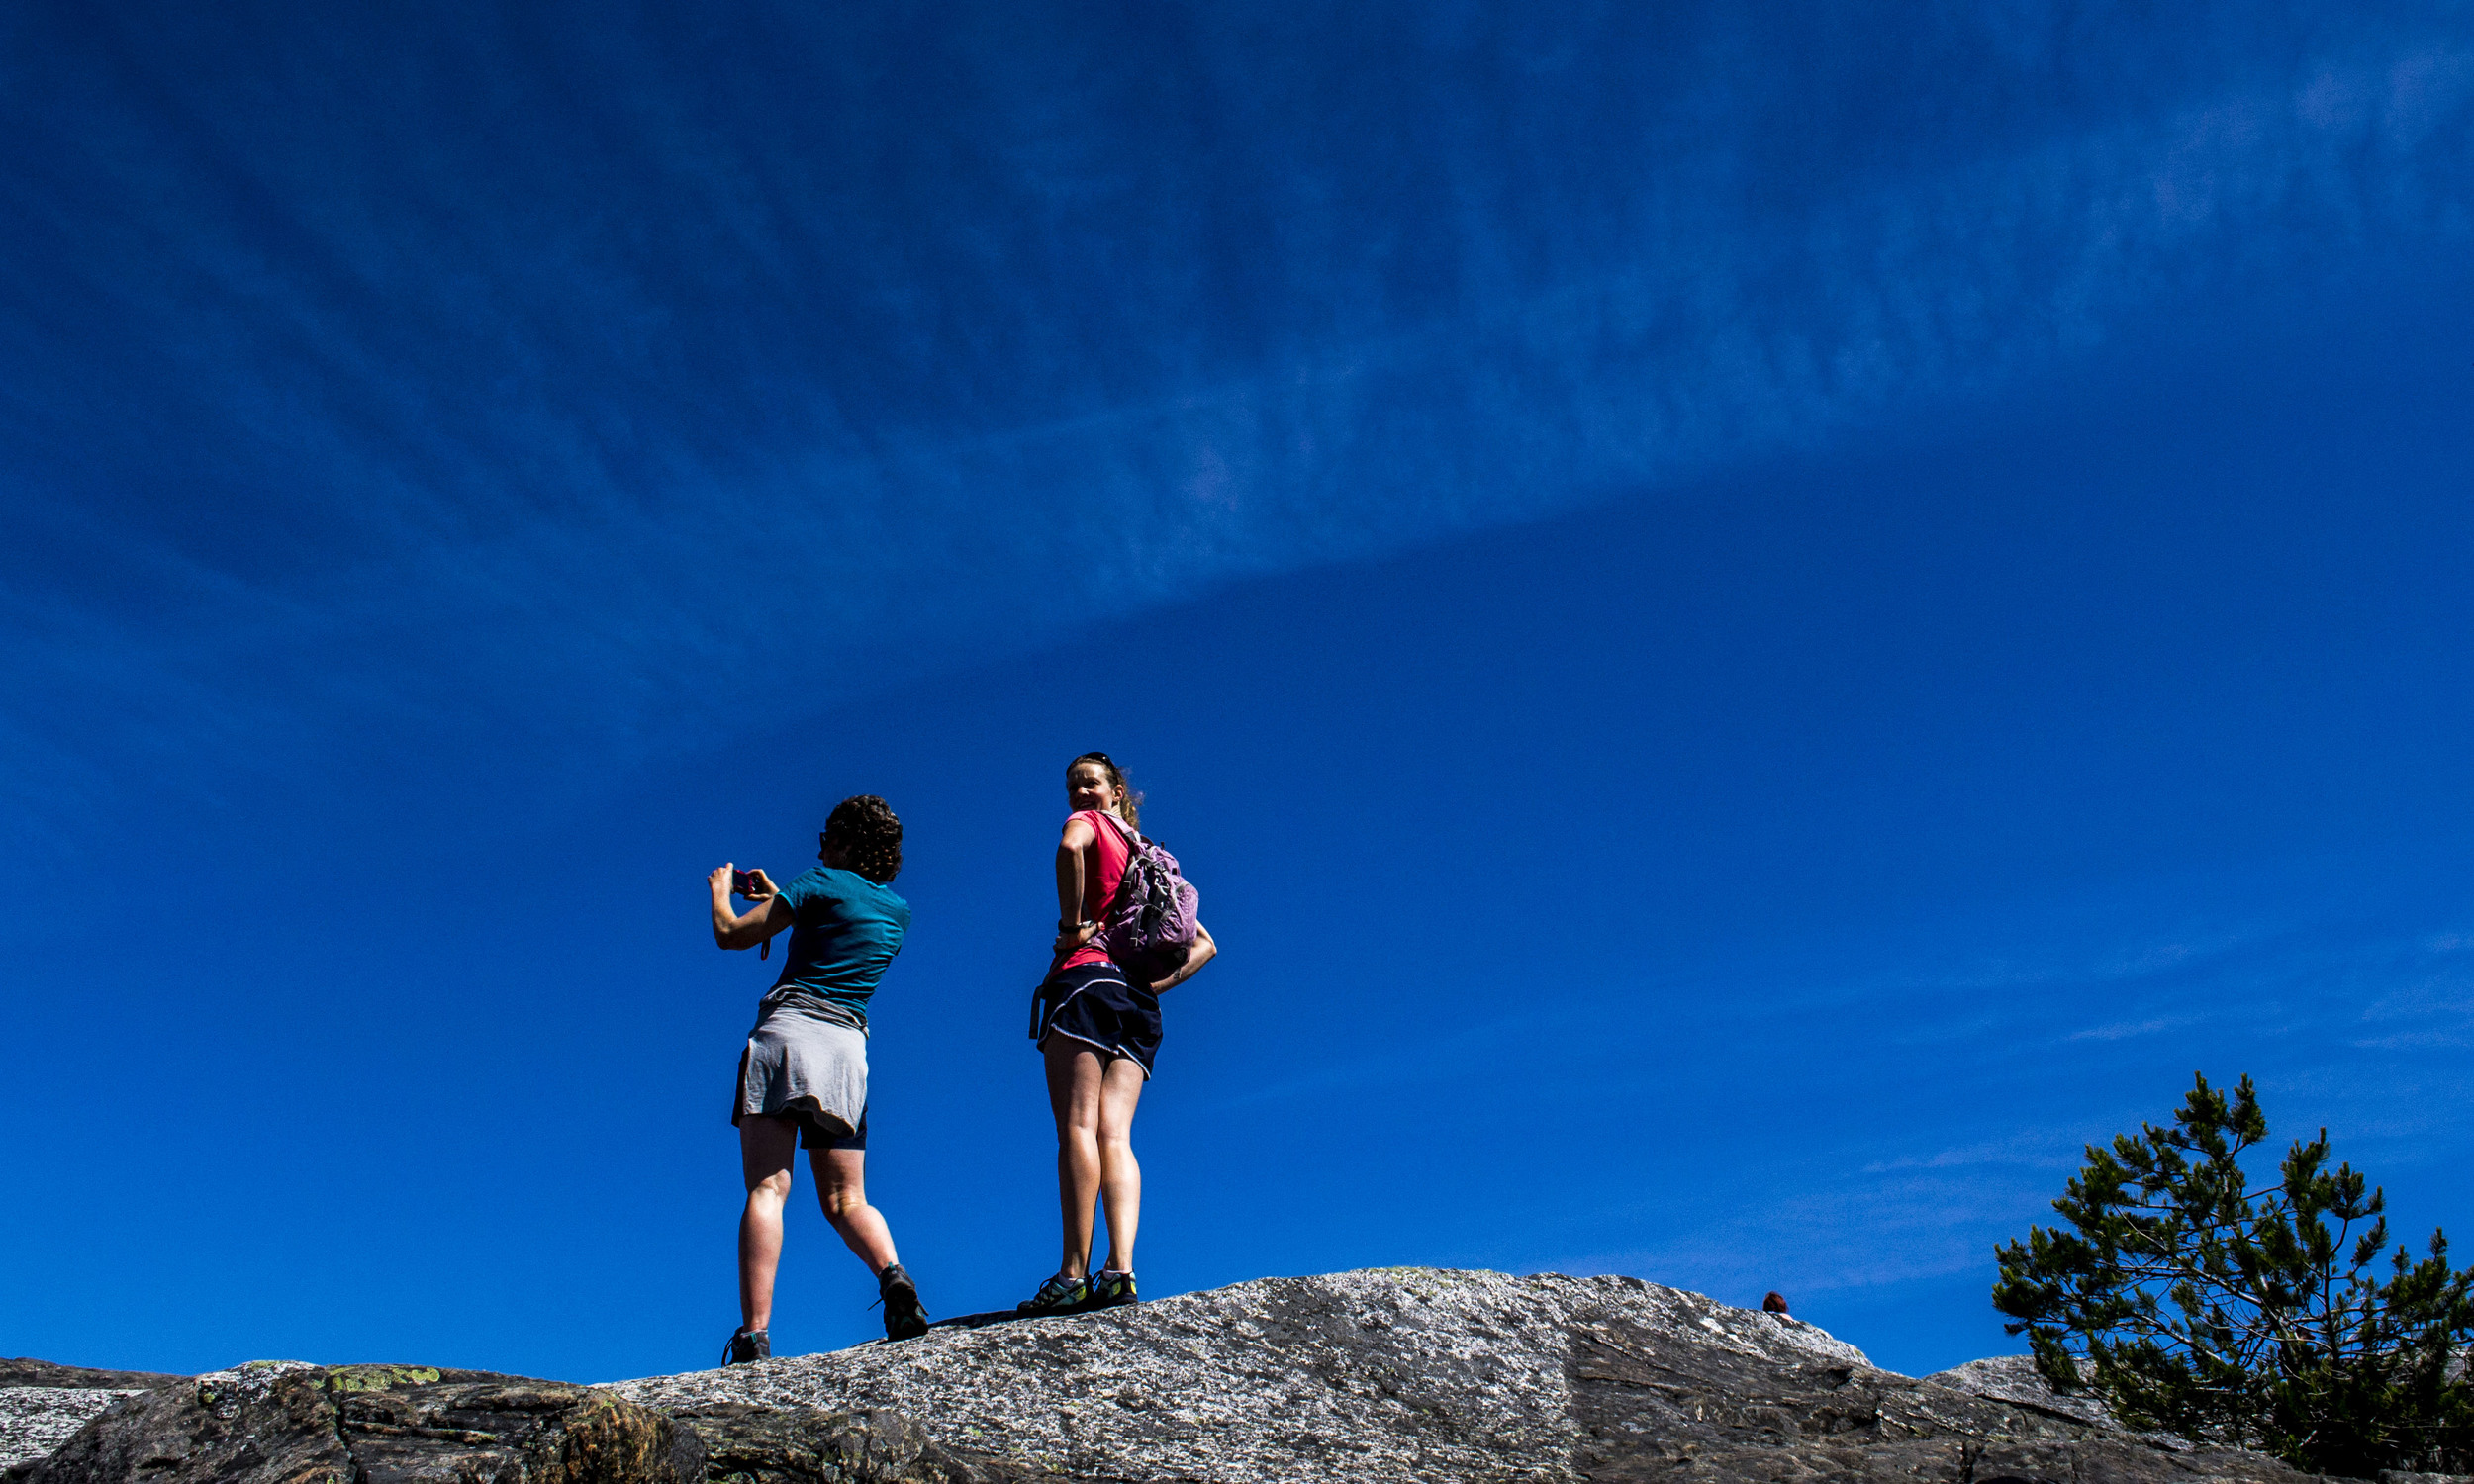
x=1099, y=886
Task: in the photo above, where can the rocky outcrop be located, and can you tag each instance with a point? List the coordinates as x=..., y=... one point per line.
x=42, y=1404
x=1421, y=1373
x=281, y=1422
x=1394, y=1374
x=284, y=1423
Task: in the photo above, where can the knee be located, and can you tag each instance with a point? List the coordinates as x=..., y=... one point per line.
x=773, y=1189
x=841, y=1202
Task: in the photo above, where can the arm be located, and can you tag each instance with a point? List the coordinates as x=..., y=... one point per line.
x=1205, y=951
x=768, y=916
x=1071, y=931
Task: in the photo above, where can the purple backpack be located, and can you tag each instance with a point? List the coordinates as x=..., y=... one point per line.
x=1151, y=920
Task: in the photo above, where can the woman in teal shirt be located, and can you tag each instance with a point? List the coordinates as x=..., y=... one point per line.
x=803, y=1076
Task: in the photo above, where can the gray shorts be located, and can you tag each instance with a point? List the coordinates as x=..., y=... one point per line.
x=808, y=1068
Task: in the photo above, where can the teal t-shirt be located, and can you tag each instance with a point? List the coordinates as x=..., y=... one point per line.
x=845, y=929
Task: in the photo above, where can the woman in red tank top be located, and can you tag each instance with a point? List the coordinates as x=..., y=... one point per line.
x=1099, y=1028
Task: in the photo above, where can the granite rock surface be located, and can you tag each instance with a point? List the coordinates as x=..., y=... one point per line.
x=743, y=1444
x=2015, y=1379
x=1420, y=1373
x=23, y=1373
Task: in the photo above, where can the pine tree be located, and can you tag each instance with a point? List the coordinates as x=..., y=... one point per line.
x=2195, y=1305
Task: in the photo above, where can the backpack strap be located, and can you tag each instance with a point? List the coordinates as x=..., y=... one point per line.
x=1129, y=835
x=1131, y=839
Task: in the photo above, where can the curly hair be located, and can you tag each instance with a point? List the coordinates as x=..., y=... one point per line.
x=864, y=829
x=1129, y=804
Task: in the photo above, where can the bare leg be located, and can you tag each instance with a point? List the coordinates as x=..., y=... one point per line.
x=842, y=1189
x=1121, y=1178
x=1075, y=1076
x=766, y=1147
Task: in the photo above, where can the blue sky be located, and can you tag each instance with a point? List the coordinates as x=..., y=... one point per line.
x=1754, y=629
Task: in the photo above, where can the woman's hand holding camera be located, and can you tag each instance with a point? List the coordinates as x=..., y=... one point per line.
x=762, y=919
x=726, y=880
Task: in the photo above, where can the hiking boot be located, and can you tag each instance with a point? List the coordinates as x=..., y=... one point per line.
x=1059, y=1295
x=746, y=1345
x=906, y=1318
x=1110, y=1289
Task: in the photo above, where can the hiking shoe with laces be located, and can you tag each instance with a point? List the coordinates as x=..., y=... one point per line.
x=1110, y=1289
x=906, y=1318
x=1059, y=1295
x=746, y=1345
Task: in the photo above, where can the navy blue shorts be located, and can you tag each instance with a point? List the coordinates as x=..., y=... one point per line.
x=1093, y=1003
x=812, y=1135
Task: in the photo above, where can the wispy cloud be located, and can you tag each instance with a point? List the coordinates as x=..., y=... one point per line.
x=2033, y=1148
x=1835, y=1234
x=2122, y=1030
x=496, y=461
x=1872, y=1209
